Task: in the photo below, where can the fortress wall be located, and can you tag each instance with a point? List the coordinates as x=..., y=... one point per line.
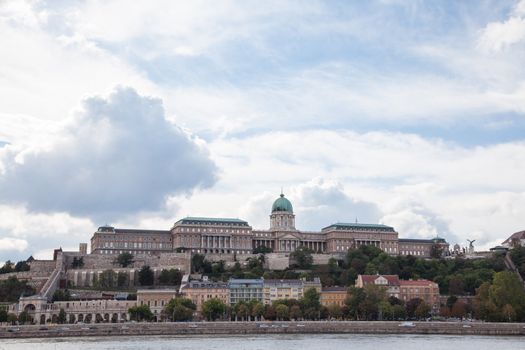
x=104, y=262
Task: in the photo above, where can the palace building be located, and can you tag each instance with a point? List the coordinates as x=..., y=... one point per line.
x=234, y=236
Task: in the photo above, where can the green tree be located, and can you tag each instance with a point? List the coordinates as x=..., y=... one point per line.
x=508, y=313
x=24, y=318
x=269, y=312
x=436, y=251
x=62, y=317
x=213, y=309
x=459, y=309
x=422, y=310
x=257, y=310
x=241, y=310
x=197, y=262
x=3, y=315
x=303, y=257
x=356, y=296
x=146, y=276
x=456, y=286
x=7, y=268
x=122, y=279
x=507, y=289
x=180, y=309
x=140, y=313
x=22, y=266
x=295, y=312
x=12, y=319
x=262, y=250
x=125, y=259
x=311, y=298
x=411, y=307
x=11, y=290
x=61, y=295
x=171, y=277
x=282, y=312
x=78, y=262
x=107, y=279
x=335, y=312
x=399, y=312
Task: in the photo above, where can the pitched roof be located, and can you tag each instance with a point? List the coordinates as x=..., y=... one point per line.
x=205, y=220
x=516, y=235
x=359, y=226
x=111, y=229
x=140, y=231
x=393, y=280
x=283, y=282
x=205, y=285
x=420, y=282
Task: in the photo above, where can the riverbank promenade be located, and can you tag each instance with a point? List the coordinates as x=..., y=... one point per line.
x=241, y=328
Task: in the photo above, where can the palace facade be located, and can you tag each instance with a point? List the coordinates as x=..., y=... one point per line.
x=234, y=236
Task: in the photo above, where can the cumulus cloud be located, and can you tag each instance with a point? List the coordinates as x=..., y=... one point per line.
x=421, y=187
x=497, y=36
x=317, y=203
x=321, y=202
x=41, y=232
x=118, y=156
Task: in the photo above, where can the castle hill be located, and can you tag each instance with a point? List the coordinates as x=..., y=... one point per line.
x=223, y=270
x=271, y=175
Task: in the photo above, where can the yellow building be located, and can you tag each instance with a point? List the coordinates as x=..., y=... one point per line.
x=333, y=296
x=287, y=289
x=201, y=291
x=156, y=299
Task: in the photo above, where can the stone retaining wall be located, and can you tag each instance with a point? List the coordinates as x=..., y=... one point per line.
x=104, y=262
x=240, y=328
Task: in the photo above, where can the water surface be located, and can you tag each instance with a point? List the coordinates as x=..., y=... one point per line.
x=272, y=342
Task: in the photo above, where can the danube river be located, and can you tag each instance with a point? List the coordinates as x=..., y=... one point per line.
x=273, y=342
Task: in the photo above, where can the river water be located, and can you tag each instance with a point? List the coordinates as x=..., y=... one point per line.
x=273, y=342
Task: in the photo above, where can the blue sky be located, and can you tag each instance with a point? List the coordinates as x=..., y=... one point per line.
x=408, y=113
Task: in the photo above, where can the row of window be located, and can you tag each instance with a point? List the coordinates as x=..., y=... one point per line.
x=124, y=237
x=212, y=230
x=412, y=252
x=109, y=252
x=135, y=245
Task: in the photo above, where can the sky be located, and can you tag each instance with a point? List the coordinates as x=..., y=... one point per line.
x=136, y=114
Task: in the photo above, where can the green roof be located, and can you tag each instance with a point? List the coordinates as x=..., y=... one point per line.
x=345, y=226
x=199, y=220
x=282, y=204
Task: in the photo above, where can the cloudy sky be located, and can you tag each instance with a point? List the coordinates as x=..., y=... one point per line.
x=136, y=114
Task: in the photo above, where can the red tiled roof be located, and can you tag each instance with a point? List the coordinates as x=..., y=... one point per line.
x=415, y=283
x=393, y=280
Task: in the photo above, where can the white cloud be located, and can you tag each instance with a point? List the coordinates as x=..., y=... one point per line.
x=41, y=231
x=42, y=75
x=317, y=203
x=10, y=243
x=421, y=187
x=118, y=156
x=497, y=36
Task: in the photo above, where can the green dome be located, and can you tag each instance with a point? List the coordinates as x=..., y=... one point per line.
x=282, y=204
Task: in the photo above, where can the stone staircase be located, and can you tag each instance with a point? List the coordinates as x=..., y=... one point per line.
x=51, y=285
x=511, y=267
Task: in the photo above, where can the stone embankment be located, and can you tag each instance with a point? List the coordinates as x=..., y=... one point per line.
x=241, y=328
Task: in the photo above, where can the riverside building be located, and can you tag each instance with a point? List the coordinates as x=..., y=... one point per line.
x=404, y=290
x=235, y=236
